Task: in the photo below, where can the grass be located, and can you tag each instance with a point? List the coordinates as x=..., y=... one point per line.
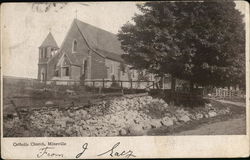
x=236, y=99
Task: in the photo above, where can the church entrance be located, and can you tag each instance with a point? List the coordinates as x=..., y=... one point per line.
x=84, y=70
x=65, y=71
x=43, y=75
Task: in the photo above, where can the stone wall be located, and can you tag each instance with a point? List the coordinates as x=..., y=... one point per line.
x=120, y=116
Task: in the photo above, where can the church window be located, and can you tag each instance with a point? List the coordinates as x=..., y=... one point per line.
x=52, y=52
x=45, y=52
x=74, y=45
x=56, y=73
x=67, y=71
x=85, y=66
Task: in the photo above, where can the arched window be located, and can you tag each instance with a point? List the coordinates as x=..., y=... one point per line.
x=56, y=71
x=74, y=46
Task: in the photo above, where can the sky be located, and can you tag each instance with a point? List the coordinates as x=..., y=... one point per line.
x=24, y=28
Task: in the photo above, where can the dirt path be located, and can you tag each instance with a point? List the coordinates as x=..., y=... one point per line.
x=231, y=124
x=222, y=125
x=240, y=104
x=229, y=127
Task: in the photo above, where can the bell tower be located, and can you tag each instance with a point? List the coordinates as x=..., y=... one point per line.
x=46, y=52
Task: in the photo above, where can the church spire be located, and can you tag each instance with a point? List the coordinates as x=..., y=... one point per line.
x=49, y=41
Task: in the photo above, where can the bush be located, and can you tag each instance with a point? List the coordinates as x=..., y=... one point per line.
x=186, y=99
x=42, y=94
x=115, y=85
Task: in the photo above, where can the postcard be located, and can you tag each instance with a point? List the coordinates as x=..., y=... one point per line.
x=154, y=79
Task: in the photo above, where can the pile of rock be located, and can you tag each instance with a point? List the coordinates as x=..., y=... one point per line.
x=116, y=117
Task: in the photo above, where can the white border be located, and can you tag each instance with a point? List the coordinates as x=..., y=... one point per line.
x=143, y=146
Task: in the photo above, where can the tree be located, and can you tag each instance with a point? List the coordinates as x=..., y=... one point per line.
x=47, y=6
x=202, y=42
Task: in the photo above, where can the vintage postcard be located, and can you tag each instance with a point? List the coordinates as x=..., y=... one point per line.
x=94, y=80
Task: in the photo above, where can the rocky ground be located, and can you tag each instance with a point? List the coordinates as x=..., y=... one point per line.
x=117, y=116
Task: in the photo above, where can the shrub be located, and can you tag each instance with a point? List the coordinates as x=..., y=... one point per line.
x=186, y=99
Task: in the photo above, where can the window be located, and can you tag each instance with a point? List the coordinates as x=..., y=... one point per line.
x=52, y=52
x=56, y=73
x=85, y=65
x=74, y=46
x=45, y=52
x=67, y=71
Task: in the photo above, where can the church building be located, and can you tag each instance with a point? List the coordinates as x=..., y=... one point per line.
x=86, y=53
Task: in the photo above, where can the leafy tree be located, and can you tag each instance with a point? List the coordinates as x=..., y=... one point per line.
x=202, y=42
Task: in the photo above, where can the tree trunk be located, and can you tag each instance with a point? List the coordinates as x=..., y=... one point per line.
x=172, y=93
x=191, y=86
x=163, y=82
x=196, y=86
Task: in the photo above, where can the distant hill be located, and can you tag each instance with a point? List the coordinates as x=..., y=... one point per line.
x=18, y=80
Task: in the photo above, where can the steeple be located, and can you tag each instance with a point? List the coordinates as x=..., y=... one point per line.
x=49, y=41
x=47, y=50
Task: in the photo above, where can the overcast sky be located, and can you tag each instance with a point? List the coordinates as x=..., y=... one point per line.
x=24, y=29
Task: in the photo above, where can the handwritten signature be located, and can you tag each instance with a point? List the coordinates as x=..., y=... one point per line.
x=111, y=152
x=46, y=151
x=84, y=147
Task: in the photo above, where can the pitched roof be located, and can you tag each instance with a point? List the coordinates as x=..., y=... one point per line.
x=74, y=59
x=110, y=55
x=49, y=41
x=103, y=42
